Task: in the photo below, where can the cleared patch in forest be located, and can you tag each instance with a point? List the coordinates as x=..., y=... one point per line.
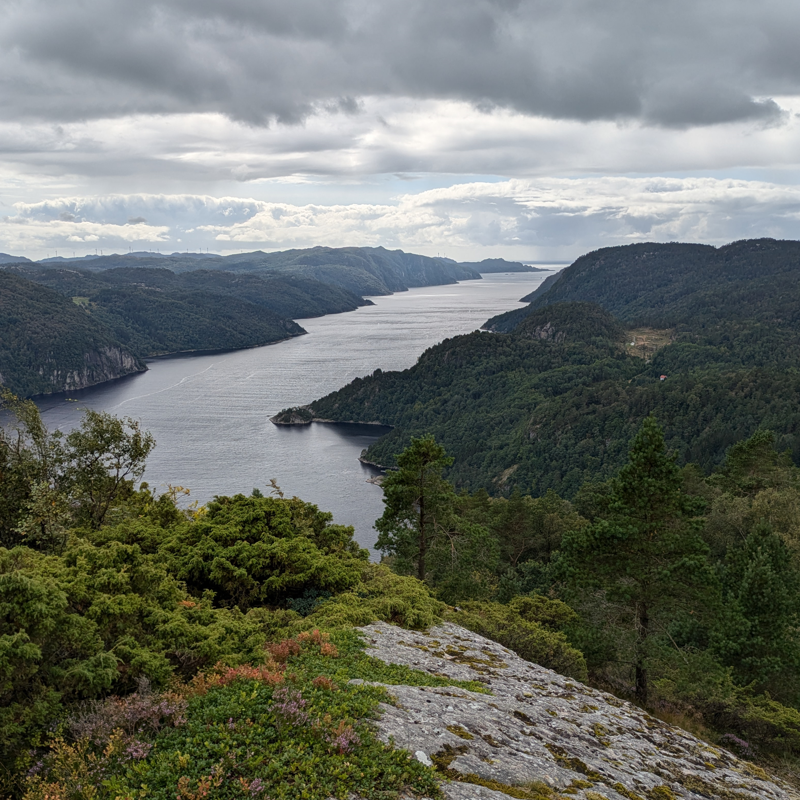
x=645, y=342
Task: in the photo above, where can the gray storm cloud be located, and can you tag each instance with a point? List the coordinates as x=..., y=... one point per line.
x=679, y=64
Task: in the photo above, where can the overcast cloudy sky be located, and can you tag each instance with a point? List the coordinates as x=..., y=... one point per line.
x=530, y=129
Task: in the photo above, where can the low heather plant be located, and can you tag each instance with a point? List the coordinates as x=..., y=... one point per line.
x=141, y=712
x=739, y=746
x=343, y=738
x=289, y=706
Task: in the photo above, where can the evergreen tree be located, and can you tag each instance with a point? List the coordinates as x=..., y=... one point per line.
x=643, y=552
x=419, y=503
x=758, y=634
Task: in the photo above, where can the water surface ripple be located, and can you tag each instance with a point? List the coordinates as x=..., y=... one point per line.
x=210, y=413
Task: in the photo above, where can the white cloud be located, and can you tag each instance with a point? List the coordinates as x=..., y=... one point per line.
x=528, y=219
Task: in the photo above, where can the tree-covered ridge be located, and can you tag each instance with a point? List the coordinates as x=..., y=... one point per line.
x=48, y=341
x=552, y=402
x=155, y=323
x=290, y=297
x=663, y=285
x=363, y=270
x=55, y=343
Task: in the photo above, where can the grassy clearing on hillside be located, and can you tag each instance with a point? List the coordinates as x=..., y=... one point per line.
x=645, y=342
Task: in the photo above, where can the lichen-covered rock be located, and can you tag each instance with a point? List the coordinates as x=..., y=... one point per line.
x=536, y=734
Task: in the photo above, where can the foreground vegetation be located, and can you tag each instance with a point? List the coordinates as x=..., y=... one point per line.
x=150, y=651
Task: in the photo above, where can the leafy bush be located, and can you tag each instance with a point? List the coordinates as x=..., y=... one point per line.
x=253, y=551
x=95, y=620
x=526, y=626
x=282, y=730
x=380, y=595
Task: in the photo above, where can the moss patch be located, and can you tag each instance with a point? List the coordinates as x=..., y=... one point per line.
x=662, y=792
x=625, y=792
x=575, y=764
x=462, y=733
x=699, y=786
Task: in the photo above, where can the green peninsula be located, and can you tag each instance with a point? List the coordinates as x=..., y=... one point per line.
x=550, y=398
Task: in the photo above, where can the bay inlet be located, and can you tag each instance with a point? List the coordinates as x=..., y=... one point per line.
x=210, y=413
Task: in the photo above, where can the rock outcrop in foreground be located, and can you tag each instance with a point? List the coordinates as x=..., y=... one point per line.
x=540, y=735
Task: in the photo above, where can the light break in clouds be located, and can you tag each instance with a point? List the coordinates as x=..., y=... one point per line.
x=544, y=219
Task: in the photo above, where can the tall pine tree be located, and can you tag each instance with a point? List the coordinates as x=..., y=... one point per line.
x=418, y=502
x=643, y=554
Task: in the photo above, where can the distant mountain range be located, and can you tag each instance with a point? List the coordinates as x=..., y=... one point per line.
x=389, y=265
x=70, y=323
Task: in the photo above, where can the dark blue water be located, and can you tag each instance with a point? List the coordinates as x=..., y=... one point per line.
x=210, y=413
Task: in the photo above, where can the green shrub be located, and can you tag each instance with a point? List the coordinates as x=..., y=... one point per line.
x=253, y=551
x=381, y=595
x=526, y=626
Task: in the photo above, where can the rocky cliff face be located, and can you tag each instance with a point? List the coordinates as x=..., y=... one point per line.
x=104, y=364
x=536, y=734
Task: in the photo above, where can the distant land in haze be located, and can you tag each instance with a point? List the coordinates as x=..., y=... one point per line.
x=5, y=258
x=551, y=397
x=69, y=323
x=494, y=265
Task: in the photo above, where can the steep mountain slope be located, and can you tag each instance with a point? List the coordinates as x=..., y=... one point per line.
x=711, y=346
x=49, y=344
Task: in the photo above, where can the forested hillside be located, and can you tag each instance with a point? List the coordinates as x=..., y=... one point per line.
x=145, y=305
x=551, y=403
x=53, y=342
x=361, y=270
x=49, y=343
x=290, y=297
x=156, y=651
x=679, y=284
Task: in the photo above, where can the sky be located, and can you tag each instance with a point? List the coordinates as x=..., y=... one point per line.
x=534, y=130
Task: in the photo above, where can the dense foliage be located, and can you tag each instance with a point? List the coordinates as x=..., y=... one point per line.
x=129, y=625
x=553, y=402
x=673, y=589
x=46, y=338
x=287, y=296
x=661, y=285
